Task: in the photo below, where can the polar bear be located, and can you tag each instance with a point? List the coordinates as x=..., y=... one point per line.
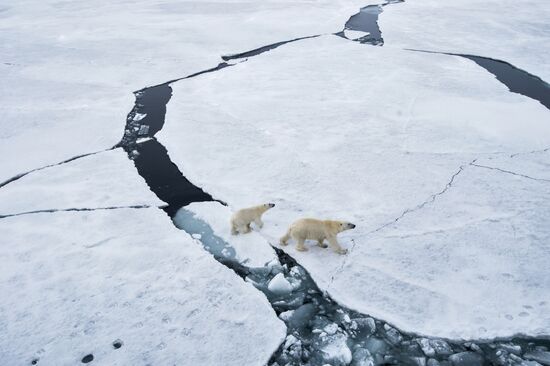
x=241, y=220
x=319, y=230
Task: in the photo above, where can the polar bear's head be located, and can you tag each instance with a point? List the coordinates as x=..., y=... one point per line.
x=343, y=226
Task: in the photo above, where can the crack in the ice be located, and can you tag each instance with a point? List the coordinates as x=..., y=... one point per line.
x=530, y=152
x=420, y=206
x=511, y=172
x=432, y=199
x=76, y=209
x=21, y=175
x=260, y=50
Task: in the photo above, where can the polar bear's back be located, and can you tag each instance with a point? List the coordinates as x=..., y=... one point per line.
x=309, y=228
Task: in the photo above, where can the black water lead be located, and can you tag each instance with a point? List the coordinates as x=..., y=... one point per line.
x=516, y=80
x=366, y=23
x=260, y=50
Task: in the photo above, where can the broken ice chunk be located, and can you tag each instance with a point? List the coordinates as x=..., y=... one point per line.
x=364, y=326
x=139, y=116
x=354, y=35
x=542, y=357
x=285, y=315
x=301, y=316
x=376, y=346
x=143, y=130
x=362, y=357
x=331, y=328
x=333, y=351
x=393, y=335
x=427, y=348
x=466, y=359
x=279, y=285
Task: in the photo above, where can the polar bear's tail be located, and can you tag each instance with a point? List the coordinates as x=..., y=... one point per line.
x=285, y=238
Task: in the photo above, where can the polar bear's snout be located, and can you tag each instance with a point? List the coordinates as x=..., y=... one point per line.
x=271, y=205
x=350, y=225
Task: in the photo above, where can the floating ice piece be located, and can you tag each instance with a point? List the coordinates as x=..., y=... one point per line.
x=376, y=346
x=542, y=357
x=334, y=350
x=466, y=359
x=279, y=285
x=362, y=357
x=143, y=130
x=139, y=116
x=354, y=35
x=301, y=316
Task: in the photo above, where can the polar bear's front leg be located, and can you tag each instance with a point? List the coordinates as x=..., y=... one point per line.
x=321, y=244
x=258, y=222
x=245, y=229
x=234, y=230
x=300, y=245
x=334, y=244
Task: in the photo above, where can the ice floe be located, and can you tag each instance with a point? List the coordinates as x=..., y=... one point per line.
x=380, y=136
x=102, y=180
x=124, y=287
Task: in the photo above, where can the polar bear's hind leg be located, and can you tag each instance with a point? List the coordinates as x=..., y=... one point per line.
x=300, y=245
x=284, y=240
x=234, y=230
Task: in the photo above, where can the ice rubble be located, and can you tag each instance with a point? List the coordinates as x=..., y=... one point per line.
x=102, y=180
x=513, y=31
x=68, y=68
x=372, y=135
x=75, y=284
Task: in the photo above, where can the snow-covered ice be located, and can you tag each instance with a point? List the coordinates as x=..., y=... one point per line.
x=73, y=283
x=372, y=135
x=105, y=179
x=68, y=68
x=513, y=31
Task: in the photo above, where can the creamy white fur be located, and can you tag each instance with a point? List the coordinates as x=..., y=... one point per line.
x=241, y=220
x=304, y=229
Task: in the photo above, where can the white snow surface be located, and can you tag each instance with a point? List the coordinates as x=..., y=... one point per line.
x=250, y=249
x=512, y=31
x=73, y=283
x=330, y=128
x=105, y=179
x=68, y=69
